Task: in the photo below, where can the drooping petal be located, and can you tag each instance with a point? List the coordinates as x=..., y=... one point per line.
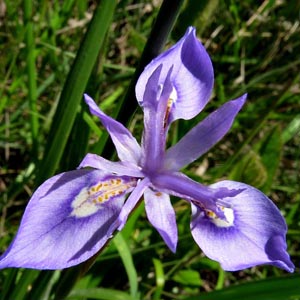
x=253, y=234
x=130, y=204
x=126, y=145
x=155, y=107
x=203, y=136
x=161, y=215
x=118, y=168
x=191, y=77
x=179, y=185
x=67, y=220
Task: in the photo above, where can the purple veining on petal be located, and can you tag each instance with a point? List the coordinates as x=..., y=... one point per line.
x=72, y=215
x=129, y=205
x=161, y=215
x=192, y=76
x=203, y=136
x=126, y=145
x=257, y=234
x=204, y=197
x=155, y=107
x=50, y=236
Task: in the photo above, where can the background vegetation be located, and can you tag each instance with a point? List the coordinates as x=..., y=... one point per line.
x=45, y=129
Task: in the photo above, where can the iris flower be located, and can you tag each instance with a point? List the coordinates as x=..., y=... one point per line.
x=71, y=216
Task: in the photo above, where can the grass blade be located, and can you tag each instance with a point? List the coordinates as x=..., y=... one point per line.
x=127, y=260
x=98, y=293
x=271, y=289
x=31, y=72
x=74, y=87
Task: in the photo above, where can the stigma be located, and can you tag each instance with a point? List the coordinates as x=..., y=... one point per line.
x=91, y=199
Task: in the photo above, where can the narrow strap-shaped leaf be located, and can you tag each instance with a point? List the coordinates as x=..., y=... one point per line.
x=275, y=288
x=74, y=87
x=9, y=283
x=127, y=260
x=42, y=285
x=99, y=293
x=160, y=278
x=31, y=72
x=21, y=288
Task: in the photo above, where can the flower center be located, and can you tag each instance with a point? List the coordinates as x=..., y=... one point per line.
x=228, y=219
x=91, y=199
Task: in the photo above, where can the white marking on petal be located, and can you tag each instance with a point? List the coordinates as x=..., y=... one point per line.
x=91, y=199
x=173, y=96
x=228, y=221
x=81, y=206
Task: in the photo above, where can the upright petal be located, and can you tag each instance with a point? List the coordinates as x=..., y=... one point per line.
x=161, y=215
x=253, y=234
x=67, y=220
x=126, y=145
x=203, y=136
x=155, y=111
x=192, y=76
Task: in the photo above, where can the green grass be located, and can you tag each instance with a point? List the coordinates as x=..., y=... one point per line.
x=254, y=47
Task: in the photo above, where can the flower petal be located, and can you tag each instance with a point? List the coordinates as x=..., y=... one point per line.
x=161, y=215
x=179, y=185
x=155, y=108
x=129, y=205
x=118, y=168
x=203, y=136
x=126, y=145
x=255, y=233
x=67, y=220
x=191, y=77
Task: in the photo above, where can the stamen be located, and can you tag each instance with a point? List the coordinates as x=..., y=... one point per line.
x=172, y=99
x=90, y=199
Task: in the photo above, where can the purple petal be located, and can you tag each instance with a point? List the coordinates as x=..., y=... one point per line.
x=254, y=233
x=154, y=135
x=126, y=145
x=179, y=185
x=130, y=204
x=117, y=168
x=203, y=136
x=67, y=220
x=191, y=77
x=161, y=215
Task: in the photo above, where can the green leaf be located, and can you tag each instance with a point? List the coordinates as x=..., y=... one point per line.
x=270, y=151
x=98, y=293
x=127, y=260
x=259, y=165
x=21, y=287
x=250, y=170
x=160, y=278
x=9, y=283
x=286, y=288
x=291, y=130
x=188, y=277
x=74, y=87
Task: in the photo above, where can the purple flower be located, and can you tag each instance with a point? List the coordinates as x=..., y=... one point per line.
x=72, y=215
